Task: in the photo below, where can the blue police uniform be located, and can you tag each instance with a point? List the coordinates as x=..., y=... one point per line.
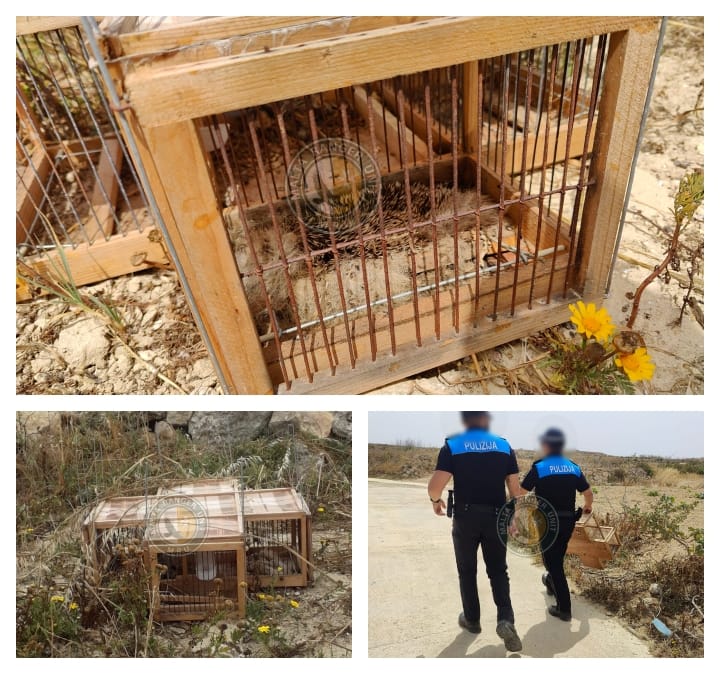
x=479, y=462
x=557, y=480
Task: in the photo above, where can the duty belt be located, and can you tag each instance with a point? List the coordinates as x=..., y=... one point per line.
x=477, y=508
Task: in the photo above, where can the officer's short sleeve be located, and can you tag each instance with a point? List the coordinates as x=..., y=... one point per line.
x=582, y=483
x=530, y=480
x=444, y=460
x=512, y=464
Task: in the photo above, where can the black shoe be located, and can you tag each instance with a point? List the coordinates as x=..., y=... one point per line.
x=506, y=631
x=547, y=582
x=559, y=614
x=469, y=626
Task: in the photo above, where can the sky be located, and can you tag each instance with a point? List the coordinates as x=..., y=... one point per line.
x=667, y=434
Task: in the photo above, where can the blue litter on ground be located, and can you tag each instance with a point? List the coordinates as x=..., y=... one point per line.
x=662, y=628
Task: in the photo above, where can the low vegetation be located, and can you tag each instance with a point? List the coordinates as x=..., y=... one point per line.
x=61, y=610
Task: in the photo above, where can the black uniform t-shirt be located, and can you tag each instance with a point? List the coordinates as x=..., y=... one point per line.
x=479, y=462
x=556, y=479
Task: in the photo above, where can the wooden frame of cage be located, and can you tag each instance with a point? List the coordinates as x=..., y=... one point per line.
x=165, y=96
x=593, y=543
x=302, y=539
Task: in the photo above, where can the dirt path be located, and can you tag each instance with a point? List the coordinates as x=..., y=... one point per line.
x=414, y=600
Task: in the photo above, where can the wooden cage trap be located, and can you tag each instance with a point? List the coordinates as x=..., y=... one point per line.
x=204, y=543
x=593, y=543
x=354, y=200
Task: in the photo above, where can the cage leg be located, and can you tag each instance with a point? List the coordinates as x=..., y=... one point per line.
x=200, y=237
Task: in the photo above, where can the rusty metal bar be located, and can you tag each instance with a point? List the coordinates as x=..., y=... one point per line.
x=410, y=220
x=594, y=96
x=454, y=142
x=478, y=187
x=281, y=251
x=577, y=69
x=543, y=170
x=383, y=239
x=433, y=206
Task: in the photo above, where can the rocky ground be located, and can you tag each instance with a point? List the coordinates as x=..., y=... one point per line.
x=61, y=349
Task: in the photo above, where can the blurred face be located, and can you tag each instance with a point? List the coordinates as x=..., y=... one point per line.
x=477, y=422
x=545, y=449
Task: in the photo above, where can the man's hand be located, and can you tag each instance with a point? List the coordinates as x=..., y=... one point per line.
x=439, y=508
x=587, y=509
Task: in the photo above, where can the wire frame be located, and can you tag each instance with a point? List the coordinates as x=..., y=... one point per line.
x=75, y=182
x=441, y=232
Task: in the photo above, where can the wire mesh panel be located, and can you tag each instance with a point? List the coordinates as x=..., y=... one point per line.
x=278, y=538
x=75, y=184
x=397, y=210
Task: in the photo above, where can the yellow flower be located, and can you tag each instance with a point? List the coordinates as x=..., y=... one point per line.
x=294, y=603
x=279, y=569
x=57, y=598
x=261, y=596
x=73, y=605
x=321, y=509
x=263, y=629
x=637, y=366
x=592, y=322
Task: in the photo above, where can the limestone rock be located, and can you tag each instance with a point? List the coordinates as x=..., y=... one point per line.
x=342, y=425
x=227, y=427
x=178, y=418
x=317, y=424
x=39, y=422
x=83, y=343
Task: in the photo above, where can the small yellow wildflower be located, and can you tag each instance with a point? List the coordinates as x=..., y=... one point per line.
x=263, y=629
x=261, y=596
x=279, y=569
x=294, y=603
x=321, y=509
x=57, y=598
x=592, y=322
x=73, y=605
x=637, y=366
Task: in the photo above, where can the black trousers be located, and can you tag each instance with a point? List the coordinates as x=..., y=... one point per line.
x=470, y=531
x=553, y=559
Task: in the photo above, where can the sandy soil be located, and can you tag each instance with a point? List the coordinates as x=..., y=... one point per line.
x=414, y=601
x=166, y=353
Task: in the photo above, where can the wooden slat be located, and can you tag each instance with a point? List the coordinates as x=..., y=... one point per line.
x=367, y=106
x=264, y=34
x=164, y=95
x=217, y=28
x=90, y=263
x=411, y=359
x=103, y=208
x=24, y=25
x=577, y=145
x=626, y=77
x=29, y=192
x=198, y=232
x=417, y=121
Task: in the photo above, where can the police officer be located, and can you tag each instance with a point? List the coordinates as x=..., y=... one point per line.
x=481, y=464
x=556, y=479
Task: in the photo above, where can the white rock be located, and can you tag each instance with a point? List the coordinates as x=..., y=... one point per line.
x=39, y=422
x=83, y=343
x=41, y=364
x=203, y=368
